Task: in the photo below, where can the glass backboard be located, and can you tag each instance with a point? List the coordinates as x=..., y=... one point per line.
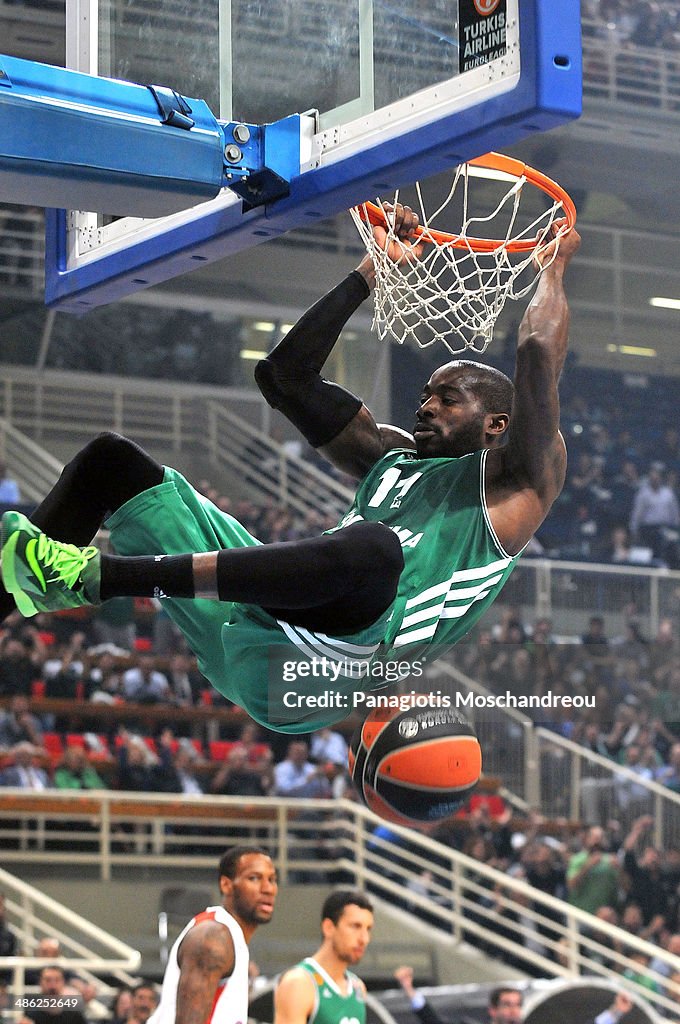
x=393, y=91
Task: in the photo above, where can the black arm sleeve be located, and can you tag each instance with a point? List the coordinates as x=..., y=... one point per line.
x=289, y=378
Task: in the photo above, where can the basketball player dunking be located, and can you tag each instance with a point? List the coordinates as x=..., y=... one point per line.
x=321, y=989
x=206, y=979
x=440, y=518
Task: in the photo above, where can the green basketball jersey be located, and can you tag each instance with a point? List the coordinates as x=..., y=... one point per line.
x=330, y=1005
x=454, y=564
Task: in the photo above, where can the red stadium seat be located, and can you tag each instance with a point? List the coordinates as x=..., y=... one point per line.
x=53, y=745
x=219, y=749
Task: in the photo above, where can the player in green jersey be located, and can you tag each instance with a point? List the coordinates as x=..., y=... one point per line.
x=321, y=989
x=296, y=632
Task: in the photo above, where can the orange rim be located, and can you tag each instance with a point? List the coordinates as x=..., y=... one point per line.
x=493, y=162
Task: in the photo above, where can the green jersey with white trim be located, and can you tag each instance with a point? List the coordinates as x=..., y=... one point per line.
x=454, y=564
x=330, y=1005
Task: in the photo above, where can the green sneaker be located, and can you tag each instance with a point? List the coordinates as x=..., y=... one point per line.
x=45, y=575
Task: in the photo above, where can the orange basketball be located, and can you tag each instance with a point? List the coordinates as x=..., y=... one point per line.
x=415, y=766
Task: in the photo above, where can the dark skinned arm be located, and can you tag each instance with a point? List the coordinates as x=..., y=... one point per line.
x=205, y=956
x=330, y=417
x=525, y=477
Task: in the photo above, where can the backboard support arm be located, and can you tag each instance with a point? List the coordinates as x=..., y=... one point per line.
x=71, y=140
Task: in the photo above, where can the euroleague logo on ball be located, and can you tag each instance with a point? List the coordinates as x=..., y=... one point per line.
x=485, y=7
x=408, y=728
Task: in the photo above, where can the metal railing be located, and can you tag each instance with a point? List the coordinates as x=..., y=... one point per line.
x=545, y=772
x=585, y=786
x=223, y=425
x=22, y=248
x=36, y=469
x=571, y=592
x=464, y=899
x=57, y=404
x=271, y=469
x=621, y=72
x=84, y=946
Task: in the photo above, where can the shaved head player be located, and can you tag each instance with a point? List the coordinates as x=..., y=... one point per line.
x=206, y=979
x=440, y=517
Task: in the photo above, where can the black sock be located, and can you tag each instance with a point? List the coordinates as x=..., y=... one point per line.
x=147, y=576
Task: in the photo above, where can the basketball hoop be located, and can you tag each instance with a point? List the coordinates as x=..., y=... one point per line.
x=456, y=290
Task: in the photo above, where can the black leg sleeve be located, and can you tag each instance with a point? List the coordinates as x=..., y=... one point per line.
x=337, y=583
x=108, y=471
x=105, y=474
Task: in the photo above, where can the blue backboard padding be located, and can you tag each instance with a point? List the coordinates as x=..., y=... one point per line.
x=65, y=135
x=547, y=95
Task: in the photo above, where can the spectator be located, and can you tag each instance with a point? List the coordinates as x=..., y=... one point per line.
x=20, y=664
x=137, y=765
x=8, y=940
x=647, y=888
x=183, y=683
x=621, y=1006
x=121, y=1005
x=48, y=949
x=545, y=871
x=18, y=725
x=105, y=683
x=75, y=771
x=669, y=774
x=143, y=1003
x=24, y=773
x=63, y=671
x=144, y=684
x=297, y=777
x=594, y=639
x=329, y=746
x=93, y=1009
x=237, y=778
x=114, y=624
x=604, y=939
x=9, y=488
x=666, y=704
x=259, y=754
x=631, y=797
x=625, y=485
x=53, y=987
x=639, y=974
x=664, y=651
x=656, y=515
x=504, y=1007
x=671, y=944
x=592, y=874
x=184, y=772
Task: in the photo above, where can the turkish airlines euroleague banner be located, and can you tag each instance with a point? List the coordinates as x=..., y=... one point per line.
x=481, y=36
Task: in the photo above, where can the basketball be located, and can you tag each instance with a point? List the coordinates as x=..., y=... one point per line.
x=415, y=766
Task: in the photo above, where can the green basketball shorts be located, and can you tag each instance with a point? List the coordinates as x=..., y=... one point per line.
x=287, y=678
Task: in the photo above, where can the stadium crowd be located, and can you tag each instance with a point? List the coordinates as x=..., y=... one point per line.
x=620, y=504
x=655, y=23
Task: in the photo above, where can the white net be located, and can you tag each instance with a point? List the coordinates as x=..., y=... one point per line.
x=453, y=293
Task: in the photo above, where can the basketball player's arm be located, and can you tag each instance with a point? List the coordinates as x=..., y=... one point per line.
x=329, y=416
x=526, y=476
x=205, y=957
x=294, y=998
